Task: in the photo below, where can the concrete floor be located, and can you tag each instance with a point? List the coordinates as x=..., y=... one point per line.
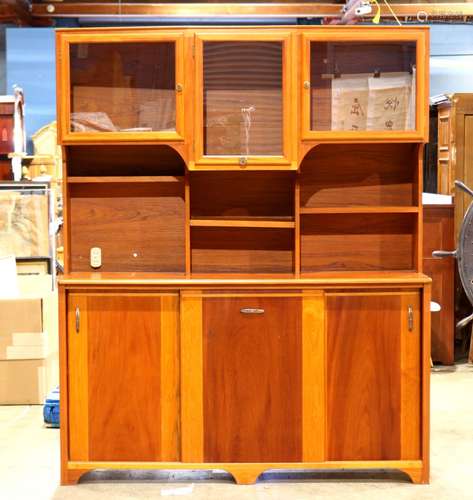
x=29, y=463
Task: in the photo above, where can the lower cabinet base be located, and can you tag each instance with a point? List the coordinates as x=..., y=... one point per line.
x=248, y=473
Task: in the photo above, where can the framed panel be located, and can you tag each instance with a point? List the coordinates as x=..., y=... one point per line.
x=245, y=107
x=357, y=84
x=107, y=94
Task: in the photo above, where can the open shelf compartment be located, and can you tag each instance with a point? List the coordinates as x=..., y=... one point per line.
x=236, y=250
x=354, y=242
x=371, y=176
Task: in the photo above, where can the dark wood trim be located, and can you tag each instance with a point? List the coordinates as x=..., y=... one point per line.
x=257, y=9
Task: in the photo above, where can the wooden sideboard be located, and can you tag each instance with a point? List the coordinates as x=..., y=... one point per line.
x=455, y=152
x=243, y=283
x=439, y=235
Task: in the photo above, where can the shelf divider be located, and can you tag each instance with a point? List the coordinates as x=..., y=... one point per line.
x=359, y=210
x=123, y=179
x=255, y=222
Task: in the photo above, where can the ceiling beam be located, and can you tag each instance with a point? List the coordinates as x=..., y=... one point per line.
x=16, y=12
x=283, y=9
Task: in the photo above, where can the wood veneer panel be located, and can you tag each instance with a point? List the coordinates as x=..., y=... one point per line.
x=242, y=194
x=123, y=160
x=442, y=272
x=241, y=250
x=124, y=358
x=6, y=173
x=359, y=175
x=123, y=220
x=439, y=235
x=363, y=377
x=358, y=242
x=252, y=380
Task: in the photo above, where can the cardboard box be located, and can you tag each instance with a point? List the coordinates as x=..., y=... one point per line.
x=28, y=339
x=20, y=316
x=22, y=382
x=25, y=352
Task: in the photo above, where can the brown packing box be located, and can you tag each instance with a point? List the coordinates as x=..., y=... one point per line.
x=22, y=382
x=20, y=316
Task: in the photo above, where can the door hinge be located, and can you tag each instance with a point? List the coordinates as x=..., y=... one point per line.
x=410, y=318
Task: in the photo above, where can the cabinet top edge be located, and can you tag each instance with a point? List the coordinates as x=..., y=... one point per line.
x=237, y=27
x=315, y=279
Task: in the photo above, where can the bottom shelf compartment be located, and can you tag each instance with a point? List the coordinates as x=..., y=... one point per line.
x=358, y=242
x=238, y=250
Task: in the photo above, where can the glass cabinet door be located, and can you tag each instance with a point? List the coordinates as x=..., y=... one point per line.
x=121, y=88
x=243, y=86
x=366, y=86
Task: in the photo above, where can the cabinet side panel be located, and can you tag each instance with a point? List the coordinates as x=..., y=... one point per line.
x=252, y=380
x=124, y=378
x=363, y=377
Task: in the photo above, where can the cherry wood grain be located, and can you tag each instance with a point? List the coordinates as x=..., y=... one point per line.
x=118, y=349
x=439, y=235
x=124, y=382
x=242, y=194
x=363, y=377
x=241, y=250
x=355, y=242
x=442, y=272
x=345, y=175
x=139, y=227
x=6, y=173
x=252, y=380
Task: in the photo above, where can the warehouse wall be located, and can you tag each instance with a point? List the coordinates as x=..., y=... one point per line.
x=30, y=63
x=3, y=69
x=30, y=59
x=451, y=61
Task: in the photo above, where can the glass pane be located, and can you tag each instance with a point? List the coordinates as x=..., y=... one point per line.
x=363, y=86
x=243, y=98
x=123, y=87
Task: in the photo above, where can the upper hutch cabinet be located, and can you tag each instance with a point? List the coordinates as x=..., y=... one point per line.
x=121, y=86
x=245, y=113
x=364, y=84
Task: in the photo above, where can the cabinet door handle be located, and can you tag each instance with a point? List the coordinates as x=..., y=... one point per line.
x=77, y=319
x=251, y=310
x=410, y=318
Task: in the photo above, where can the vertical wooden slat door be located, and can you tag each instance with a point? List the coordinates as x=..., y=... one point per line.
x=246, y=359
x=373, y=376
x=123, y=377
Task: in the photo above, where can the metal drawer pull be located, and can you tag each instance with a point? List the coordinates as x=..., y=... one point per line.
x=410, y=318
x=252, y=310
x=77, y=320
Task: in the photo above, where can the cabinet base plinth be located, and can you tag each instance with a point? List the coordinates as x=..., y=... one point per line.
x=417, y=476
x=245, y=475
x=70, y=477
x=248, y=473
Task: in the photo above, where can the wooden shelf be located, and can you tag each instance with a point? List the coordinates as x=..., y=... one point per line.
x=261, y=222
x=124, y=179
x=359, y=210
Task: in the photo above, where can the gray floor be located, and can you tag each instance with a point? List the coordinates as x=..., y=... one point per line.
x=29, y=463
